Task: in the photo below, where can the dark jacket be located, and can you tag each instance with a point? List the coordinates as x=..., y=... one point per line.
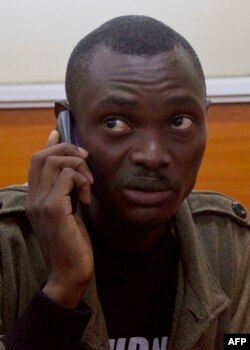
x=213, y=292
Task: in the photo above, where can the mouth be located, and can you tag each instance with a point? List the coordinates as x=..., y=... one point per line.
x=147, y=197
x=148, y=190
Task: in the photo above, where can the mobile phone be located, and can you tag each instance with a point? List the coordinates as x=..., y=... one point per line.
x=67, y=133
x=67, y=128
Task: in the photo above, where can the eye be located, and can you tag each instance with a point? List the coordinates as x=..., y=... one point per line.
x=116, y=125
x=181, y=123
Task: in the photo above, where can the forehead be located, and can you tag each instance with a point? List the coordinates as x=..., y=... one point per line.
x=169, y=73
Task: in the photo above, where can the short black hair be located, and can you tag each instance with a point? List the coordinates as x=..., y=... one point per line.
x=132, y=35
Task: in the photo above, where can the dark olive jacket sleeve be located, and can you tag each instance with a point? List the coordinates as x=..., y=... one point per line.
x=47, y=325
x=29, y=319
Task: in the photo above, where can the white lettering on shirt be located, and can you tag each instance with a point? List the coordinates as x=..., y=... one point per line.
x=163, y=346
x=138, y=343
x=141, y=342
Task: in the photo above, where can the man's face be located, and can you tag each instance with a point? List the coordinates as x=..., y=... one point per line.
x=142, y=119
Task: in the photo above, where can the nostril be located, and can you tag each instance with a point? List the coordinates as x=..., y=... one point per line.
x=151, y=150
x=151, y=159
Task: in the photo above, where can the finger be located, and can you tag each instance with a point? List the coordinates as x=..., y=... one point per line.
x=53, y=138
x=39, y=158
x=66, y=181
x=52, y=169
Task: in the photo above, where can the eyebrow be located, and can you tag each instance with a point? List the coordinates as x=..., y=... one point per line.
x=122, y=101
x=117, y=101
x=184, y=99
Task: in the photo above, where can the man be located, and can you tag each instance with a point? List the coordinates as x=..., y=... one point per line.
x=171, y=267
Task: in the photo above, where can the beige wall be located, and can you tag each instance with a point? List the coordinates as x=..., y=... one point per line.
x=36, y=37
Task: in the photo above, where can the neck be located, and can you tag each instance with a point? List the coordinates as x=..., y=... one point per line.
x=117, y=236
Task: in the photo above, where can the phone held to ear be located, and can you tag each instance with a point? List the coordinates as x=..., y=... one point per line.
x=67, y=133
x=66, y=127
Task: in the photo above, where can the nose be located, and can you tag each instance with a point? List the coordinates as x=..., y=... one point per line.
x=151, y=152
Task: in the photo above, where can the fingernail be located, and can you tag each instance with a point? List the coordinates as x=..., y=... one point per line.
x=53, y=134
x=53, y=138
x=83, y=151
x=91, y=179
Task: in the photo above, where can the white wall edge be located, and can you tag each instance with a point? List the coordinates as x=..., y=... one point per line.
x=219, y=90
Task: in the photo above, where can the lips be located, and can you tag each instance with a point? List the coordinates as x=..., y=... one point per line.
x=147, y=198
x=147, y=191
x=149, y=184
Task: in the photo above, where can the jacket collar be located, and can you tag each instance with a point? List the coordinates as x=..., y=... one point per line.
x=200, y=298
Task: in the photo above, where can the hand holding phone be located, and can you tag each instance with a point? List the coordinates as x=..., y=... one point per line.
x=61, y=232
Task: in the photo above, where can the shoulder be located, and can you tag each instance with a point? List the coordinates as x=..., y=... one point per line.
x=215, y=204
x=17, y=239
x=12, y=199
x=222, y=228
x=22, y=267
x=13, y=220
x=220, y=221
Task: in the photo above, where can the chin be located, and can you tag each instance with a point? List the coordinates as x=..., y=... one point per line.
x=147, y=216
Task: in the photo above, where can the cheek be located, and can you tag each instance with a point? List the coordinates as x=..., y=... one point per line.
x=100, y=158
x=106, y=158
x=105, y=167
x=195, y=155
x=192, y=157
x=200, y=146
x=101, y=165
x=187, y=153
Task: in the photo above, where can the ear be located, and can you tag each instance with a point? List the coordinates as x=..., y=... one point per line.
x=208, y=103
x=60, y=106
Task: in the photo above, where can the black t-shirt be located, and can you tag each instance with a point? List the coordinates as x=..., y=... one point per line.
x=137, y=293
